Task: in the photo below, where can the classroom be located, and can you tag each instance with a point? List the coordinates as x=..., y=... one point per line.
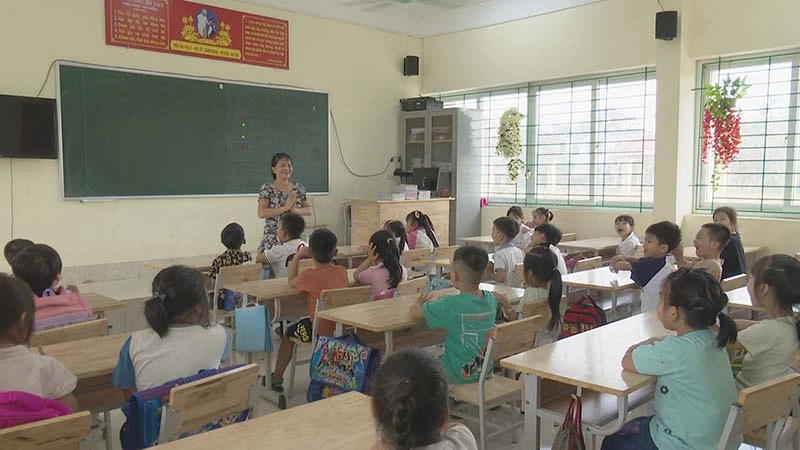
x=384, y=108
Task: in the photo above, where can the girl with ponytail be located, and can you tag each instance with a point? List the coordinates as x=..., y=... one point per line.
x=770, y=344
x=410, y=405
x=381, y=270
x=694, y=387
x=543, y=283
x=398, y=231
x=421, y=233
x=180, y=341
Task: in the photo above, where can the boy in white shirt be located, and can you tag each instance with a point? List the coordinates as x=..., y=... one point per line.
x=623, y=225
x=290, y=228
x=506, y=255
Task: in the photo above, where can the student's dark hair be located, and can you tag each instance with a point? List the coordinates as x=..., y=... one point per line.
x=473, y=261
x=176, y=289
x=276, y=158
x=17, y=298
x=293, y=224
x=322, y=245
x=387, y=251
x=515, y=211
x=398, y=231
x=409, y=399
x=15, y=246
x=552, y=235
x=625, y=218
x=541, y=211
x=782, y=274
x=232, y=236
x=544, y=266
x=718, y=233
x=666, y=233
x=506, y=225
x=422, y=220
x=38, y=265
x=701, y=298
x=728, y=211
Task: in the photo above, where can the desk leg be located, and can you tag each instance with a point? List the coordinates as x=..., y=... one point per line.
x=276, y=306
x=349, y=262
x=531, y=438
x=339, y=329
x=388, y=337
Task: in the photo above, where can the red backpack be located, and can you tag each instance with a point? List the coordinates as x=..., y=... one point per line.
x=582, y=316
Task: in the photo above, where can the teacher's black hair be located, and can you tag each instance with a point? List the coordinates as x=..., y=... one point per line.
x=276, y=158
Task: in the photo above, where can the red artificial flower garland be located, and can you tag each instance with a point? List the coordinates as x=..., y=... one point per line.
x=721, y=125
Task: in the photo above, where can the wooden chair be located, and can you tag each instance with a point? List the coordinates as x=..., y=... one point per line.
x=519, y=273
x=205, y=401
x=505, y=340
x=568, y=237
x=588, y=264
x=328, y=299
x=412, y=287
x=61, y=433
x=85, y=330
x=304, y=264
x=444, y=252
x=232, y=274
x=413, y=258
x=765, y=405
x=734, y=282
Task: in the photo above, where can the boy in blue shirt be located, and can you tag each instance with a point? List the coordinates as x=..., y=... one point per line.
x=648, y=272
x=467, y=317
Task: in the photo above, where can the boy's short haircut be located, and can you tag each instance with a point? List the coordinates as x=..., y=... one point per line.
x=322, y=245
x=667, y=233
x=293, y=224
x=38, y=265
x=15, y=246
x=232, y=236
x=718, y=233
x=508, y=226
x=625, y=219
x=470, y=262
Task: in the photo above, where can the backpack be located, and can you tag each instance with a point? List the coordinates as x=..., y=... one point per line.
x=19, y=408
x=582, y=316
x=341, y=364
x=59, y=310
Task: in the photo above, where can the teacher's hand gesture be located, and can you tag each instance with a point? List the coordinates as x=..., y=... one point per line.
x=291, y=201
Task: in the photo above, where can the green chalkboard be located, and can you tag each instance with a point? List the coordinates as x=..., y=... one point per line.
x=137, y=134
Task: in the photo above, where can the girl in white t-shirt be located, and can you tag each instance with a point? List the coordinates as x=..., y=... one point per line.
x=180, y=341
x=420, y=231
x=523, y=237
x=770, y=344
x=21, y=369
x=410, y=405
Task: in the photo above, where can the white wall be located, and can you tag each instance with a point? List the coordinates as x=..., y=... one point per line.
x=361, y=69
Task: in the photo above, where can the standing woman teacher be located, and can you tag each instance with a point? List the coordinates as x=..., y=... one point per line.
x=278, y=198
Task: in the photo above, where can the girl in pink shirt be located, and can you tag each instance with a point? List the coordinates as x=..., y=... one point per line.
x=381, y=270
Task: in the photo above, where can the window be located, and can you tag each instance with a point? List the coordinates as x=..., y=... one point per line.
x=764, y=177
x=587, y=142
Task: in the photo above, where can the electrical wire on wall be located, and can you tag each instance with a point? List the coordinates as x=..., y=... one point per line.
x=341, y=155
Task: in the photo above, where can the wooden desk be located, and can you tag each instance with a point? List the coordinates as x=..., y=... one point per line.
x=343, y=422
x=589, y=360
x=593, y=246
x=201, y=263
x=349, y=252
x=740, y=299
x=388, y=316
x=488, y=242
x=100, y=303
x=600, y=279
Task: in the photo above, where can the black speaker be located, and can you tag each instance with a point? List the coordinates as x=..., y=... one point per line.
x=411, y=65
x=667, y=25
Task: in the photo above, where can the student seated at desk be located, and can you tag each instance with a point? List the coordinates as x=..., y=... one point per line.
x=472, y=312
x=734, y=261
x=770, y=344
x=548, y=236
x=543, y=283
x=324, y=275
x=381, y=270
x=398, y=231
x=420, y=231
x=20, y=368
x=40, y=266
x=411, y=406
x=541, y=216
x=525, y=233
x=648, y=272
x=694, y=389
x=623, y=225
x=233, y=239
x=290, y=230
x=506, y=255
x=709, y=242
x=180, y=341
x=15, y=246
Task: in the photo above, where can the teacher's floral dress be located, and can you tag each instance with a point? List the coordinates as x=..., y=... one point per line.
x=276, y=199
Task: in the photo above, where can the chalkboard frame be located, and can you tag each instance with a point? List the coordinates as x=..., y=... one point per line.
x=62, y=180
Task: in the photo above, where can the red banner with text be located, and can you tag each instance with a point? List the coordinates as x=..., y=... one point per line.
x=193, y=29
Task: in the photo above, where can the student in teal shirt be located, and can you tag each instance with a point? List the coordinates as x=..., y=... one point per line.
x=695, y=388
x=467, y=317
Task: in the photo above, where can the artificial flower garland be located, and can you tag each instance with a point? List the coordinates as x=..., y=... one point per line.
x=508, y=142
x=721, y=125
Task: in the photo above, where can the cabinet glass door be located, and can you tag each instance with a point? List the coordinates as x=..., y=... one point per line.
x=415, y=142
x=442, y=141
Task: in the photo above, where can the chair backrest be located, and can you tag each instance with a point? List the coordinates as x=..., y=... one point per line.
x=337, y=298
x=761, y=405
x=60, y=433
x=537, y=309
x=304, y=264
x=412, y=287
x=410, y=257
x=735, y=282
x=238, y=274
x=444, y=252
x=205, y=401
x=588, y=264
x=515, y=337
x=568, y=237
x=85, y=330
x=519, y=273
